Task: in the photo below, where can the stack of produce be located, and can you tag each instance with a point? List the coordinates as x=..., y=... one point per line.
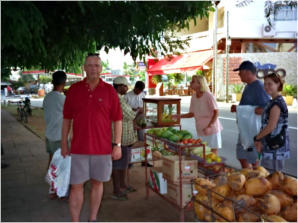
x=209, y=156
x=247, y=196
x=170, y=134
x=158, y=148
x=185, y=137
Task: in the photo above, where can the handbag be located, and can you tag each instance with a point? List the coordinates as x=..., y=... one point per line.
x=276, y=142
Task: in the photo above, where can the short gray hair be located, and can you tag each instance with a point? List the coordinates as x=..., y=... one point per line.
x=93, y=55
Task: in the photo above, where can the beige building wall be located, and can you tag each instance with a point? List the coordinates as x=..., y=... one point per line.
x=285, y=60
x=220, y=18
x=200, y=26
x=285, y=46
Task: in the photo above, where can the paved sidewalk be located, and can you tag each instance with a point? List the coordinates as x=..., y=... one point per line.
x=24, y=193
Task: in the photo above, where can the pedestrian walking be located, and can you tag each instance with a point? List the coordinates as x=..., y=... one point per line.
x=53, y=114
x=91, y=106
x=204, y=109
x=254, y=95
x=273, y=139
x=129, y=137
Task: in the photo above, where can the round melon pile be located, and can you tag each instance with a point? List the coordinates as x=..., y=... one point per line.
x=247, y=196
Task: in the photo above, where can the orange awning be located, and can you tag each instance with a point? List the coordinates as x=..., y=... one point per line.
x=184, y=62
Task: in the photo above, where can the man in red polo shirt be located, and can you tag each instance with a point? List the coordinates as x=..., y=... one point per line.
x=91, y=105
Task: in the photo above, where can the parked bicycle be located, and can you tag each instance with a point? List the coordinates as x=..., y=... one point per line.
x=27, y=106
x=24, y=110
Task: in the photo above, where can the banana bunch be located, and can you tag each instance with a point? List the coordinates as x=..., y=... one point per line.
x=166, y=117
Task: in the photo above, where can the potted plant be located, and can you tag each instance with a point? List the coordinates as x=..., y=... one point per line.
x=169, y=85
x=156, y=79
x=237, y=90
x=289, y=92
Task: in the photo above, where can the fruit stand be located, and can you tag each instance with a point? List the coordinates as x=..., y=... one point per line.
x=171, y=175
x=217, y=194
x=178, y=170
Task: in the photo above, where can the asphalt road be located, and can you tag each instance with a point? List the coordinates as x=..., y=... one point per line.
x=230, y=135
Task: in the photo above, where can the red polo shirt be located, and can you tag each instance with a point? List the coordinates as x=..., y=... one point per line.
x=92, y=112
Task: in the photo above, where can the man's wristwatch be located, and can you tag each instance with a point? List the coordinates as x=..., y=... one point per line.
x=257, y=140
x=117, y=144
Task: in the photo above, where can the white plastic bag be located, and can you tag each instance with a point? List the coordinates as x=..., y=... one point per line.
x=249, y=124
x=58, y=175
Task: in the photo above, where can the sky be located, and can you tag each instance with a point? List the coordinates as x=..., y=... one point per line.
x=116, y=58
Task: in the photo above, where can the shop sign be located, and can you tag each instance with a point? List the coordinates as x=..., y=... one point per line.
x=266, y=66
x=141, y=66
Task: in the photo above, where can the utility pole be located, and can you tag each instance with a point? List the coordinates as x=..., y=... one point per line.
x=214, y=48
x=228, y=43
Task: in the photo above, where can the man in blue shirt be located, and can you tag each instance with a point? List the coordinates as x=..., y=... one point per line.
x=254, y=94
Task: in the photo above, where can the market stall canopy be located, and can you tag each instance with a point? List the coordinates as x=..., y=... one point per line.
x=73, y=75
x=43, y=72
x=34, y=72
x=117, y=75
x=180, y=63
x=106, y=74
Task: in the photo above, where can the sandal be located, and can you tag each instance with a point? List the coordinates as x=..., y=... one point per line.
x=53, y=196
x=64, y=198
x=119, y=197
x=130, y=189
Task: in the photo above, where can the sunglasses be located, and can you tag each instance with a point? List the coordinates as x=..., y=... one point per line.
x=264, y=73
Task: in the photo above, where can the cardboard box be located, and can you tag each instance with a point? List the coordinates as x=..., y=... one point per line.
x=156, y=180
x=170, y=168
x=173, y=193
x=157, y=163
x=138, y=154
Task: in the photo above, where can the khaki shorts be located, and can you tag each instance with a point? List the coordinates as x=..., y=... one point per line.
x=86, y=167
x=52, y=146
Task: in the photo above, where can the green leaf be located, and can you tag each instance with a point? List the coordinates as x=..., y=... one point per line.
x=57, y=35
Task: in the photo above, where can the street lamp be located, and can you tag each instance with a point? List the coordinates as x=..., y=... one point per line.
x=215, y=3
x=228, y=44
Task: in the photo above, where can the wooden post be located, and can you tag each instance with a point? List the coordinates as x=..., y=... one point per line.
x=161, y=90
x=243, y=47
